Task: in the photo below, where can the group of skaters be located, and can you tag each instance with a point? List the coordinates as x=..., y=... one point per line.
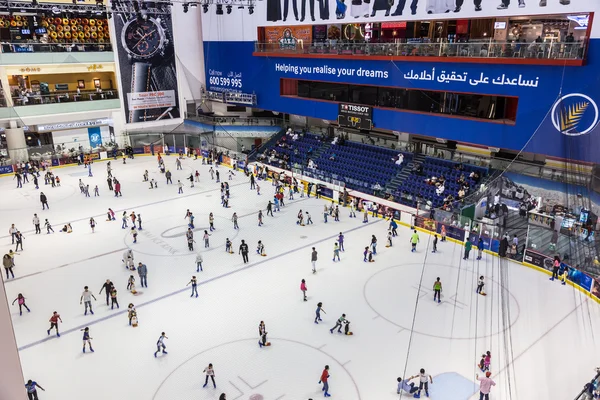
x=304, y=218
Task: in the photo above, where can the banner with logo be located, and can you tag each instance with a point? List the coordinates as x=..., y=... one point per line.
x=147, y=64
x=289, y=37
x=95, y=137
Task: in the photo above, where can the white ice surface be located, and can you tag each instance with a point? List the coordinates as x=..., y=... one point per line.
x=542, y=335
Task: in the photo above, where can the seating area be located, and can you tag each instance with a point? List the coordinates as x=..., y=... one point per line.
x=363, y=167
x=369, y=169
x=457, y=180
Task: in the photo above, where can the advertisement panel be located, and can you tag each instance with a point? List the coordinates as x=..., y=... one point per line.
x=355, y=116
x=544, y=95
x=95, y=137
x=426, y=223
x=147, y=66
x=289, y=37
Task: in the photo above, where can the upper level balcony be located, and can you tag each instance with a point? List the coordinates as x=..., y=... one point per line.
x=488, y=52
x=55, y=53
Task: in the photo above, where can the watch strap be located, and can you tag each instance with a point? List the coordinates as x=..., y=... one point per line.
x=140, y=82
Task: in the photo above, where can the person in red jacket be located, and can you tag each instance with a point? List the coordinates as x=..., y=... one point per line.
x=325, y=381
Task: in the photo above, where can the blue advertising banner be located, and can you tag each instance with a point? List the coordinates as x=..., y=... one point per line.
x=95, y=137
x=559, y=104
x=6, y=169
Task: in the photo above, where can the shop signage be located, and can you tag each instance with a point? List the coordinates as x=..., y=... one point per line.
x=73, y=125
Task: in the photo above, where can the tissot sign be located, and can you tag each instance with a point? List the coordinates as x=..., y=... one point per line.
x=355, y=116
x=356, y=110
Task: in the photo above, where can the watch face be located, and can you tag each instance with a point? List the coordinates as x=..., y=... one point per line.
x=143, y=39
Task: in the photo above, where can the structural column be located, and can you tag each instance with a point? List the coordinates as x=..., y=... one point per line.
x=17, y=146
x=12, y=383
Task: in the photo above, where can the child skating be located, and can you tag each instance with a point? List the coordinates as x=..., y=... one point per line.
x=210, y=373
x=325, y=380
x=480, y=285
x=54, y=323
x=336, y=252
x=318, y=312
x=414, y=239
x=303, y=288
x=160, y=344
x=87, y=339
x=21, y=302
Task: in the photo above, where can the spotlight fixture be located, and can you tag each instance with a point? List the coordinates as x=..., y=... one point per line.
x=186, y=7
x=251, y=10
x=228, y=7
x=219, y=9
x=99, y=3
x=205, y=8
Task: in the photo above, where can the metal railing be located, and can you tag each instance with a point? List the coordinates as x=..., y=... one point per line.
x=64, y=97
x=244, y=121
x=53, y=47
x=488, y=49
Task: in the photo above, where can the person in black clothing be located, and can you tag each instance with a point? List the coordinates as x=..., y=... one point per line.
x=402, y=3
x=110, y=185
x=459, y=4
x=107, y=287
x=311, y=4
x=252, y=184
x=19, y=238
x=270, y=208
x=286, y=5
x=44, y=201
x=244, y=251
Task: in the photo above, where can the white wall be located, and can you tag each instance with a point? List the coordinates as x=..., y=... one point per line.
x=240, y=26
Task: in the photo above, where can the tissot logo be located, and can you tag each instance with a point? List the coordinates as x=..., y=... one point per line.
x=575, y=114
x=352, y=107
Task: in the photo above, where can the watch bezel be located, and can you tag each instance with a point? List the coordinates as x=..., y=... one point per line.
x=161, y=33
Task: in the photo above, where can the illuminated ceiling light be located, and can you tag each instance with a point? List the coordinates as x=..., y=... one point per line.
x=186, y=7
x=251, y=10
x=205, y=8
x=228, y=7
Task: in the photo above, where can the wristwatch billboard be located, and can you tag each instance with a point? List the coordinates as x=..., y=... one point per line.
x=149, y=49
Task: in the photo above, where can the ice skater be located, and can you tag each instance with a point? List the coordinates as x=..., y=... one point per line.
x=435, y=242
x=21, y=302
x=424, y=381
x=124, y=220
x=437, y=290
x=134, y=234
x=414, y=239
x=96, y=191
x=205, y=237
x=132, y=315
x=338, y=324
x=318, y=312
x=303, y=288
x=234, y=219
x=309, y=220
x=260, y=218
x=373, y=244
x=210, y=373
x=300, y=218
x=160, y=343
x=468, y=247
x=211, y=222
x=393, y=227
x=31, y=388
x=262, y=335
x=480, y=246
x=336, y=252
x=87, y=339
x=325, y=380
x=131, y=284
x=199, y=262
x=365, y=214
x=389, y=240
x=194, y=284
x=480, y=285
x=325, y=213
x=86, y=297
x=54, y=323
x=244, y=251
x=180, y=185
x=260, y=248
x=341, y=241
x=113, y=298
x=228, y=246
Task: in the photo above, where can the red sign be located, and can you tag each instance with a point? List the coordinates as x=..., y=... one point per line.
x=393, y=25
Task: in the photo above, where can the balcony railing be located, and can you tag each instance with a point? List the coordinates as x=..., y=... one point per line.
x=54, y=47
x=488, y=49
x=64, y=97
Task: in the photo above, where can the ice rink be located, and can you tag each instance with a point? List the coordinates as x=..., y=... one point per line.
x=541, y=334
